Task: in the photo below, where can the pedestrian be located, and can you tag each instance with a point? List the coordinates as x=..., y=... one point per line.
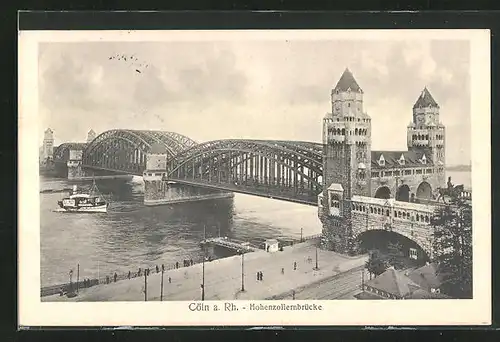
x=115, y=276
x=169, y=280
x=139, y=272
x=293, y=294
x=176, y=264
x=258, y=276
x=261, y=276
x=157, y=269
x=129, y=275
x=282, y=270
x=107, y=279
x=295, y=265
x=192, y=263
x=147, y=272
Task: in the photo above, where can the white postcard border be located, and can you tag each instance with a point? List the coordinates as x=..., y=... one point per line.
x=32, y=312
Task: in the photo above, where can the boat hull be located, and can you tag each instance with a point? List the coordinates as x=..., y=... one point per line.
x=94, y=209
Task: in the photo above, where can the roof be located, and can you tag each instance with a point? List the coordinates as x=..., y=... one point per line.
x=426, y=277
x=393, y=282
x=157, y=148
x=272, y=241
x=425, y=100
x=336, y=187
x=347, y=82
x=412, y=158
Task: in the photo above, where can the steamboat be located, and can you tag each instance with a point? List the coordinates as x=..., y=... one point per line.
x=79, y=202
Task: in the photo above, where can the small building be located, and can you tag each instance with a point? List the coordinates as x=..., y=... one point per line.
x=427, y=278
x=391, y=285
x=271, y=245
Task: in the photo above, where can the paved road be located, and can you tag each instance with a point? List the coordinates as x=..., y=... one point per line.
x=341, y=286
x=223, y=277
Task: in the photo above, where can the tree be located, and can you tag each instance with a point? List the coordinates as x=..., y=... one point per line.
x=395, y=255
x=375, y=264
x=452, y=247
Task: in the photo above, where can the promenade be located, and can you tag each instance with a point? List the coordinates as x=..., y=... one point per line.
x=223, y=278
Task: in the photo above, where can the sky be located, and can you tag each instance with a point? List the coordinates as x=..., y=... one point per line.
x=278, y=89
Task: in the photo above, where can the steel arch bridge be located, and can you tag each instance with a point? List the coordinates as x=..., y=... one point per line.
x=289, y=170
x=61, y=152
x=124, y=150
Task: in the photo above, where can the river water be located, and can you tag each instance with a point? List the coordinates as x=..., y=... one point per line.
x=131, y=235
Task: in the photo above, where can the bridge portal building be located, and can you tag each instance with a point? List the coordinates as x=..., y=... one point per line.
x=378, y=190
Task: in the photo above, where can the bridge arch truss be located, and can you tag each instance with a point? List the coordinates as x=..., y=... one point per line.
x=61, y=152
x=288, y=169
x=125, y=150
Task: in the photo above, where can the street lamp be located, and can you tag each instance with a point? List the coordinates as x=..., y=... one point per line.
x=203, y=265
x=242, y=270
x=316, y=268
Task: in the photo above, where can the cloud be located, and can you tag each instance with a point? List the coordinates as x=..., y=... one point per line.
x=252, y=89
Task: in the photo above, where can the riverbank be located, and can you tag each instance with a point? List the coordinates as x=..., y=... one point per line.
x=223, y=277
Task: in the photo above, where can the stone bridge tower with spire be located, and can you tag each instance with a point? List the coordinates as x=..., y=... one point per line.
x=426, y=134
x=346, y=161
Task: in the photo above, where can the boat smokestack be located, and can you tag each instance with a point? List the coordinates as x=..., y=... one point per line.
x=74, y=189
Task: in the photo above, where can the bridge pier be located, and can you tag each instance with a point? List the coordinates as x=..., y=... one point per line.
x=74, y=164
x=159, y=191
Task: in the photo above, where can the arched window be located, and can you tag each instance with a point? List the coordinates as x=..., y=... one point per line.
x=395, y=214
x=356, y=131
x=371, y=210
x=378, y=211
x=387, y=212
x=418, y=217
x=343, y=131
x=427, y=219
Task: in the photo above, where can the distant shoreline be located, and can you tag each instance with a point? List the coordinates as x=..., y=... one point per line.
x=459, y=168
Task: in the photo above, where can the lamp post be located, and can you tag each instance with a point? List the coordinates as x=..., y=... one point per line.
x=203, y=266
x=161, y=293
x=316, y=268
x=71, y=280
x=78, y=278
x=363, y=279
x=145, y=285
x=242, y=271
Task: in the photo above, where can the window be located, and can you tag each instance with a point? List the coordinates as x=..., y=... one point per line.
x=401, y=159
x=407, y=172
x=419, y=172
x=381, y=160
x=413, y=253
x=375, y=174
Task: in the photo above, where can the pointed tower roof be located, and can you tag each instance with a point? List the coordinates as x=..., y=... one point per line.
x=425, y=100
x=347, y=82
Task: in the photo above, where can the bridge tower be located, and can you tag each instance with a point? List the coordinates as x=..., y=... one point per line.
x=48, y=144
x=346, y=161
x=426, y=133
x=155, y=175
